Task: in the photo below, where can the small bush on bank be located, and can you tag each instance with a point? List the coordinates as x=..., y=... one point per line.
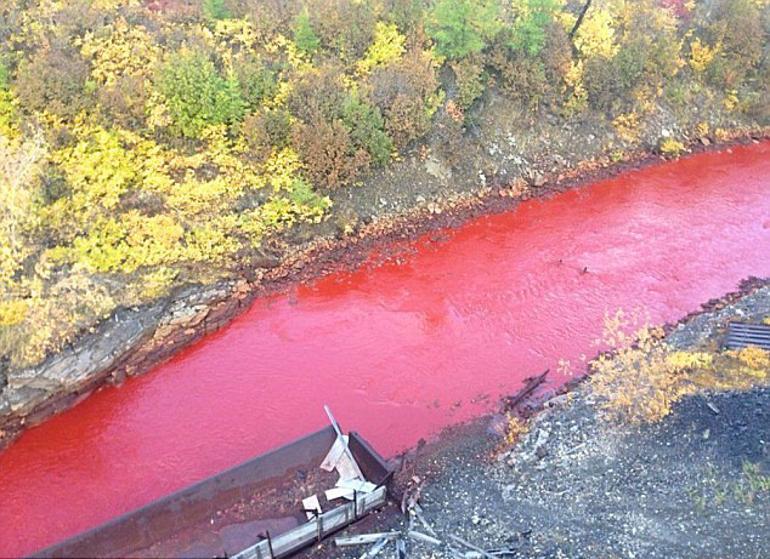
x=267, y=130
x=642, y=376
x=197, y=95
x=470, y=79
x=366, y=127
x=671, y=147
x=331, y=158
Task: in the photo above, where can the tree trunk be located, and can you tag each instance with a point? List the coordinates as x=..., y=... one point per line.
x=579, y=21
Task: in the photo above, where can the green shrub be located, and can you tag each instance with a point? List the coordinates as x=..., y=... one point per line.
x=735, y=25
x=462, y=27
x=529, y=31
x=215, y=9
x=5, y=76
x=519, y=76
x=305, y=36
x=257, y=82
x=197, y=95
x=470, y=79
x=366, y=127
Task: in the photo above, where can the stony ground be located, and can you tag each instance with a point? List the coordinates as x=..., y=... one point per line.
x=696, y=484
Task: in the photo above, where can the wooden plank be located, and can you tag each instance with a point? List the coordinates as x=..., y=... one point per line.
x=293, y=540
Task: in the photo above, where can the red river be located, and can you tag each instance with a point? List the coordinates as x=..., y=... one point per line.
x=399, y=350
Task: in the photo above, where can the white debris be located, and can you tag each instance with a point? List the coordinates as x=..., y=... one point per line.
x=361, y=486
x=310, y=505
x=339, y=493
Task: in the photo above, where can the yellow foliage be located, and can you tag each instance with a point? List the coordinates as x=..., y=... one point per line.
x=280, y=169
x=577, y=96
x=596, y=36
x=702, y=129
x=297, y=58
x=8, y=115
x=55, y=315
x=120, y=49
x=98, y=168
x=211, y=241
x=627, y=126
x=515, y=428
x=722, y=135
x=701, y=55
x=671, y=147
x=754, y=357
x=12, y=312
x=387, y=46
x=237, y=34
x=133, y=241
x=731, y=101
x=643, y=376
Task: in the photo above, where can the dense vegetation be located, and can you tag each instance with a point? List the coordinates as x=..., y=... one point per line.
x=149, y=144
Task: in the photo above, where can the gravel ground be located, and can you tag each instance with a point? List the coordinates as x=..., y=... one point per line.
x=697, y=484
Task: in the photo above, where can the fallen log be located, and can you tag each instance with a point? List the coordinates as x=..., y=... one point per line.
x=530, y=385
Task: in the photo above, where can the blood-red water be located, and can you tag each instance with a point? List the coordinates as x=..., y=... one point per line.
x=400, y=350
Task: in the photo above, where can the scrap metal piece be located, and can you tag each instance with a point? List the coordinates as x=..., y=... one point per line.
x=425, y=538
x=363, y=539
x=376, y=549
x=469, y=545
x=352, y=461
x=339, y=493
x=335, y=453
x=356, y=485
x=311, y=507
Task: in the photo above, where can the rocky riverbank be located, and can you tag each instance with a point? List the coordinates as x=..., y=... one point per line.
x=696, y=484
x=424, y=198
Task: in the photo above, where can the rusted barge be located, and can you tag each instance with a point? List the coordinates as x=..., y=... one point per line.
x=251, y=511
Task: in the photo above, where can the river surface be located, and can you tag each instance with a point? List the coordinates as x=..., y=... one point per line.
x=402, y=349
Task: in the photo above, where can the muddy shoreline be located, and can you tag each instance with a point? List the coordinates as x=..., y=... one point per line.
x=134, y=340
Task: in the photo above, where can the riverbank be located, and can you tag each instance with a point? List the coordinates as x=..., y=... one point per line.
x=695, y=484
x=134, y=340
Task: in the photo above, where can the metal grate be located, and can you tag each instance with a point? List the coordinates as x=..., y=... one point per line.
x=742, y=334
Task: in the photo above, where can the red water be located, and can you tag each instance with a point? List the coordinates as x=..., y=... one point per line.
x=401, y=350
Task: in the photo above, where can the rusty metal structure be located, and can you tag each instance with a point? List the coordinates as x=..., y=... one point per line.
x=181, y=524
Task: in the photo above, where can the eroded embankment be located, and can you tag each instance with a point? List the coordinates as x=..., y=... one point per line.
x=431, y=336
x=132, y=341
